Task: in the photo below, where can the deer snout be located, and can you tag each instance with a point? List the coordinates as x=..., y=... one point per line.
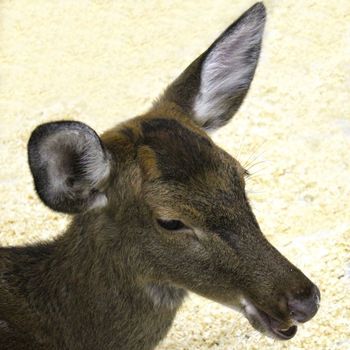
x=303, y=304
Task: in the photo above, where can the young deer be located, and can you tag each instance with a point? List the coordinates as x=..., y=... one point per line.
x=158, y=210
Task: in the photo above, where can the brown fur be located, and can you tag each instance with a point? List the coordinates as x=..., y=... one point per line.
x=116, y=278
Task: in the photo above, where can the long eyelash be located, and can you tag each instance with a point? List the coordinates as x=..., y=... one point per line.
x=258, y=153
x=252, y=174
x=253, y=159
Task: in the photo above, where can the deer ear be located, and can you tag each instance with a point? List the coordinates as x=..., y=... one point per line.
x=70, y=166
x=213, y=87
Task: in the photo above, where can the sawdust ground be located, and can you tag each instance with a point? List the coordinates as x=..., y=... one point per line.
x=104, y=61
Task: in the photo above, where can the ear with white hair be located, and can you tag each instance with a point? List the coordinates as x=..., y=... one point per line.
x=70, y=166
x=213, y=87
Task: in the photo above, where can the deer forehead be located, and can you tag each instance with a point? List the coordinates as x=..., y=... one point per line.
x=174, y=150
x=181, y=169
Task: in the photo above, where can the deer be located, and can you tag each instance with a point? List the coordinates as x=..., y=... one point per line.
x=157, y=210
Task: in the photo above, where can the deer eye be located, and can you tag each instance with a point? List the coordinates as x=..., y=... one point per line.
x=171, y=225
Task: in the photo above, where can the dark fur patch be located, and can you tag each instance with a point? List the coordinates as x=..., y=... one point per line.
x=180, y=152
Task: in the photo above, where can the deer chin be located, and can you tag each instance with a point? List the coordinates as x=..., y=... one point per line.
x=265, y=323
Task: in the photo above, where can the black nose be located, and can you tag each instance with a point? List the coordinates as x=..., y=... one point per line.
x=304, y=304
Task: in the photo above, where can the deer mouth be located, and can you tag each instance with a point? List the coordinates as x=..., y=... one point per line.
x=265, y=323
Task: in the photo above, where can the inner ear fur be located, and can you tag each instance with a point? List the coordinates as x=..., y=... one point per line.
x=213, y=87
x=70, y=166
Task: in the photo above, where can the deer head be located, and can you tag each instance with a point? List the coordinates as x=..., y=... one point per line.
x=175, y=200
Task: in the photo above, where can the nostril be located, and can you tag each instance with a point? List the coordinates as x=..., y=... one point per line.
x=297, y=313
x=303, y=306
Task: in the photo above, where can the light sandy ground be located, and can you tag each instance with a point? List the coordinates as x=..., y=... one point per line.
x=104, y=61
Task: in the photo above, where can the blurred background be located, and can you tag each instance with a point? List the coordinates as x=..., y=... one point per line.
x=102, y=62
